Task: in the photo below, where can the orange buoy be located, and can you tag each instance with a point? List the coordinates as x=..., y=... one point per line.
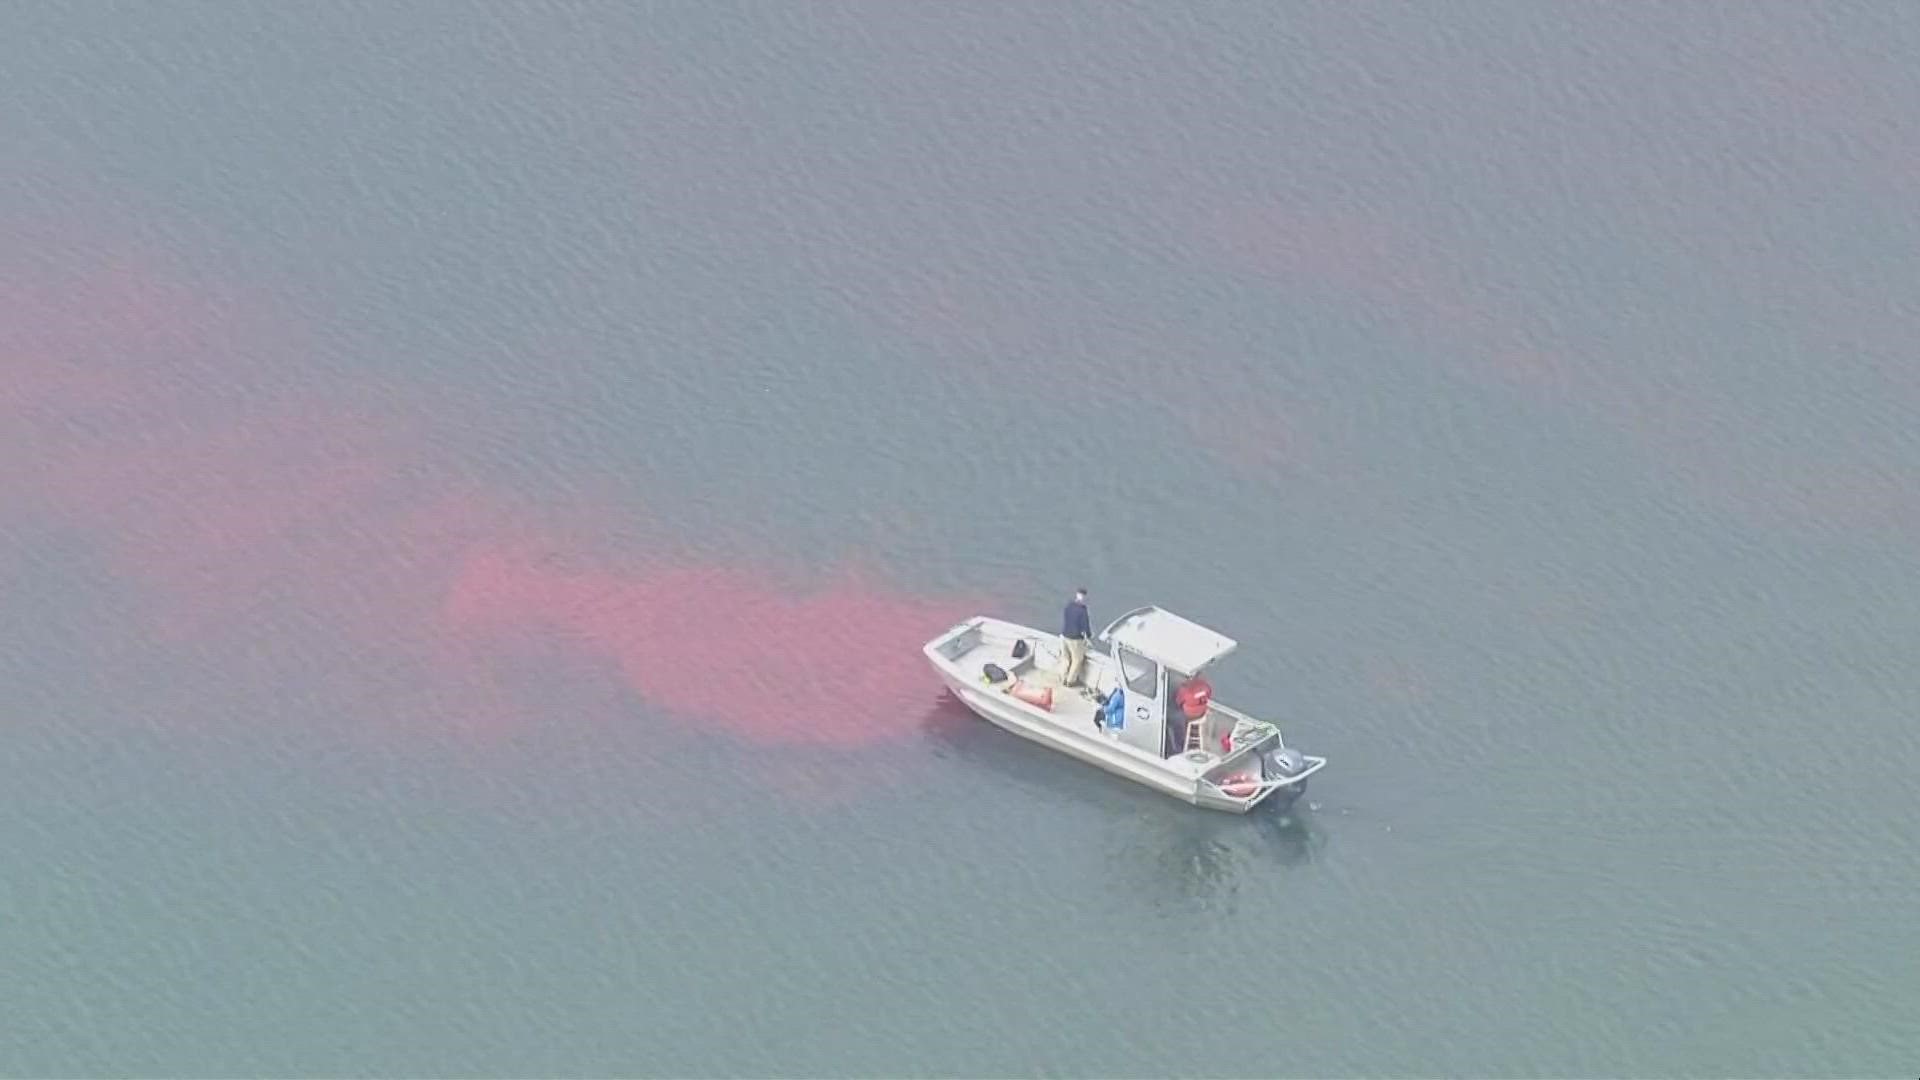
x=1240, y=785
x=1041, y=696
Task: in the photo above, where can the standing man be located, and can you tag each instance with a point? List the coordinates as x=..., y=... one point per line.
x=1076, y=630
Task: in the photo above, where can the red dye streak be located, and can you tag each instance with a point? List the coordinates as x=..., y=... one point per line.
x=1245, y=431
x=1367, y=262
x=1392, y=272
x=1399, y=681
x=836, y=666
x=309, y=535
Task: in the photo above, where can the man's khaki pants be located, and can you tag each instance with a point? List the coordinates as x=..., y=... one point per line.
x=1076, y=659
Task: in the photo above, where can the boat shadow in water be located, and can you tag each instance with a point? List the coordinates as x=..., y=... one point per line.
x=1184, y=860
x=1176, y=854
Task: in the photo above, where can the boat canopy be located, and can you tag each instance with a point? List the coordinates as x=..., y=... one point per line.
x=1168, y=639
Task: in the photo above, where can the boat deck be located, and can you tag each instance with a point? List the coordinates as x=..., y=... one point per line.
x=1072, y=706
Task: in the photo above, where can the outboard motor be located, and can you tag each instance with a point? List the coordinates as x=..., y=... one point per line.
x=1281, y=764
x=1285, y=762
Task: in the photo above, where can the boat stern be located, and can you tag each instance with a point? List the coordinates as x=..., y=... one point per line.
x=1275, y=777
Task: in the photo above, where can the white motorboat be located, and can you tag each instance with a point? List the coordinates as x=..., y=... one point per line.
x=1121, y=718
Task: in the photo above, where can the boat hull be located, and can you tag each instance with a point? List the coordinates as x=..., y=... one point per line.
x=1190, y=781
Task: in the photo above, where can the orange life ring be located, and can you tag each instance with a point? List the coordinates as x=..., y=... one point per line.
x=1240, y=785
